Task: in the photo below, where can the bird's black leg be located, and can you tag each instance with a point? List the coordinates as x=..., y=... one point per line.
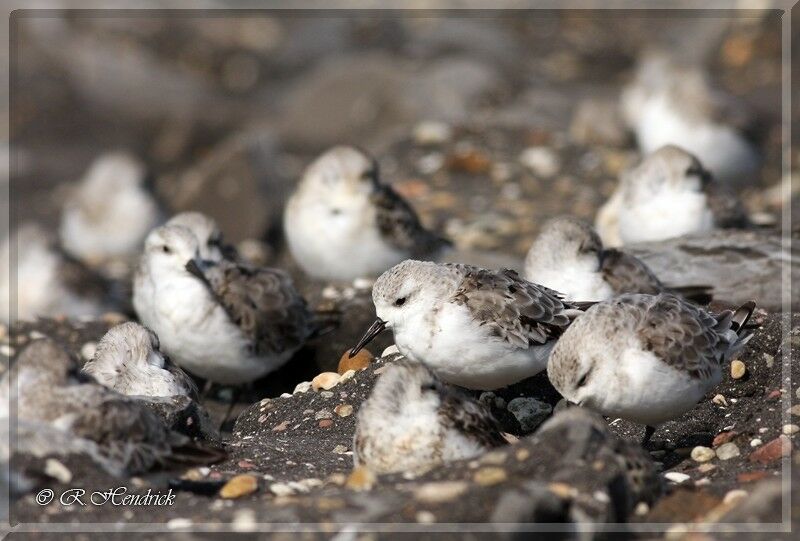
x=235, y=396
x=648, y=433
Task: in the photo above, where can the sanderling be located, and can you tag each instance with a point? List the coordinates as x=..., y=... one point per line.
x=568, y=256
x=222, y=321
x=48, y=282
x=210, y=240
x=342, y=223
x=412, y=422
x=110, y=212
x=646, y=358
x=51, y=391
x=473, y=327
x=668, y=103
x=669, y=194
x=128, y=360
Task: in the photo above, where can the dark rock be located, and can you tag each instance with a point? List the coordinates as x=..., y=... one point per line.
x=235, y=183
x=742, y=265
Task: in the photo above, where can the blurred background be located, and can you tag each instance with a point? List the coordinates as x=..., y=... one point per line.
x=225, y=109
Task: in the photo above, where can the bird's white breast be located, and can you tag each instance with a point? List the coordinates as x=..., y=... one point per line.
x=337, y=238
x=463, y=352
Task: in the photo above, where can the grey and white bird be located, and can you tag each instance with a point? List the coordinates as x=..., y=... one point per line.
x=568, y=256
x=412, y=422
x=129, y=361
x=343, y=223
x=110, y=212
x=645, y=358
x=673, y=103
x=210, y=239
x=669, y=194
x=226, y=322
x=52, y=395
x=473, y=327
x=48, y=282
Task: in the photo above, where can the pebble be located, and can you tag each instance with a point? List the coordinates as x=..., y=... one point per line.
x=325, y=423
x=280, y=427
x=425, y=517
x=723, y=437
x=36, y=335
x=542, y=161
x=641, y=509
x=439, y=492
x=360, y=361
x=330, y=293
x=676, y=477
x=391, y=350
x=340, y=449
x=530, y=412
x=790, y=429
x=325, y=380
x=347, y=376
x=522, y=454
x=113, y=318
x=490, y=476
x=772, y=450
x=302, y=387
x=430, y=163
x=176, y=523
x=238, y=486
x=327, y=394
x=719, y=400
x=705, y=468
x=432, y=132
x=738, y=369
x=727, y=451
x=323, y=414
x=343, y=410
x=7, y=350
x=363, y=284
x=768, y=359
x=360, y=478
x=244, y=520
x=57, y=470
x=281, y=489
x=702, y=454
x=755, y=442
x=795, y=410
x=734, y=496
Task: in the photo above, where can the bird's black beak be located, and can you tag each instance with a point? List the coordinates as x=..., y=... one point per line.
x=374, y=330
x=197, y=266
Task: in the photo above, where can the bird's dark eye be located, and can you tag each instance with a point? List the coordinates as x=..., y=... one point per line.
x=584, y=379
x=166, y=249
x=431, y=386
x=400, y=302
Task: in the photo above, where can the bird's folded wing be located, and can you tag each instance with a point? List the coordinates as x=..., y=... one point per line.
x=628, y=274
x=472, y=421
x=399, y=224
x=517, y=311
x=680, y=334
x=263, y=303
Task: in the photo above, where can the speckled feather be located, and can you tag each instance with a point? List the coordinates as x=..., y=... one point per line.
x=263, y=303
x=516, y=310
x=400, y=226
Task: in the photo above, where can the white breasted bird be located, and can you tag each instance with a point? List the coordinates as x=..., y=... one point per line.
x=343, y=223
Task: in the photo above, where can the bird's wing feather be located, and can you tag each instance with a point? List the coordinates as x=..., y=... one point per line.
x=263, y=303
x=470, y=419
x=399, y=224
x=517, y=311
x=682, y=335
x=628, y=274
